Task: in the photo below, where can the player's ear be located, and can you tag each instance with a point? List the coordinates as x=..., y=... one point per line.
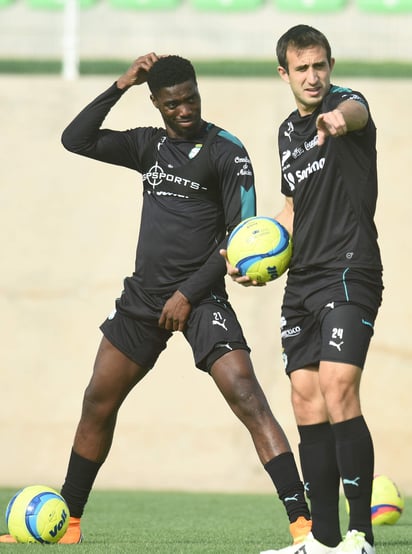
x=154, y=101
x=332, y=63
x=283, y=73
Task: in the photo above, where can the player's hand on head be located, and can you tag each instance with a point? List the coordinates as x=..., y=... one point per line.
x=175, y=312
x=136, y=74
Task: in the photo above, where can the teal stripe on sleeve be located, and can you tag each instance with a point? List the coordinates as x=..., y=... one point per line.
x=248, y=202
x=229, y=136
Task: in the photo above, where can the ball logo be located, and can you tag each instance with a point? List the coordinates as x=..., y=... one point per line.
x=273, y=272
x=59, y=526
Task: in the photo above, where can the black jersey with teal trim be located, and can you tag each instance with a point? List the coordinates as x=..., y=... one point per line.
x=194, y=193
x=334, y=190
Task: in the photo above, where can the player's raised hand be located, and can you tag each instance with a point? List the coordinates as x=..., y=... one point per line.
x=137, y=72
x=330, y=124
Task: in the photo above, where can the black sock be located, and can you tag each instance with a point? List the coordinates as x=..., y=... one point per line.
x=321, y=475
x=80, y=477
x=285, y=476
x=354, y=448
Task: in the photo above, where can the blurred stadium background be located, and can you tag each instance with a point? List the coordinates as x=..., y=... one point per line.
x=69, y=227
x=199, y=29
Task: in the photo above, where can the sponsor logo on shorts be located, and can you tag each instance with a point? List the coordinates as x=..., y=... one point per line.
x=337, y=345
x=293, y=332
x=218, y=319
x=337, y=335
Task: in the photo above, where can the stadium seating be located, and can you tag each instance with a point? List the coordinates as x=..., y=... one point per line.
x=385, y=6
x=144, y=4
x=297, y=6
x=226, y=5
x=55, y=4
x=309, y=5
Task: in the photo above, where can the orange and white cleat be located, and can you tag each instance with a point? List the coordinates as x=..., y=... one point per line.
x=300, y=529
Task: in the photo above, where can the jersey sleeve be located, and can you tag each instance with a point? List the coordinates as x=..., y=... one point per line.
x=238, y=199
x=341, y=94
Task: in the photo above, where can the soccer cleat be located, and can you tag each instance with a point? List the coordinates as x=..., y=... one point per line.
x=300, y=529
x=309, y=546
x=7, y=539
x=354, y=543
x=73, y=535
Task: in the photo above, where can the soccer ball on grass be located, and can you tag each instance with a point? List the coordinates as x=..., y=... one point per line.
x=387, y=502
x=37, y=514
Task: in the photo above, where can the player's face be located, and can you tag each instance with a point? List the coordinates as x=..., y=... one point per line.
x=180, y=107
x=308, y=75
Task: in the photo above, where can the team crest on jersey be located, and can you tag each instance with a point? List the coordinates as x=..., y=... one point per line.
x=194, y=151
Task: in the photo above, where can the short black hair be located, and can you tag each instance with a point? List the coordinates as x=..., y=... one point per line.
x=301, y=36
x=169, y=71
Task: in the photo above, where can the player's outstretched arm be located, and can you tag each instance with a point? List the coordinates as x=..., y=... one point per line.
x=350, y=115
x=137, y=72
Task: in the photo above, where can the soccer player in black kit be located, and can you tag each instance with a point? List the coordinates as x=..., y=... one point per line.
x=198, y=184
x=327, y=150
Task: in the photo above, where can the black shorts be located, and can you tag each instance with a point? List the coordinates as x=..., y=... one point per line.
x=212, y=329
x=329, y=316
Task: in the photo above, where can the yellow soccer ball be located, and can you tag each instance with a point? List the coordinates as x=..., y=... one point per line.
x=37, y=514
x=387, y=502
x=260, y=247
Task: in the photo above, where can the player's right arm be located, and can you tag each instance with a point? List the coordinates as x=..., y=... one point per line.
x=85, y=136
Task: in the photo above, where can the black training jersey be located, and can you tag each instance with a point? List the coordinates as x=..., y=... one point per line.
x=194, y=193
x=334, y=190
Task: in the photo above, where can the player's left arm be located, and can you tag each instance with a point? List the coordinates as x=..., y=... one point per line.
x=238, y=201
x=350, y=115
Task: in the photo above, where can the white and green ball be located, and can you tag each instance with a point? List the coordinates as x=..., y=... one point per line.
x=37, y=514
x=260, y=247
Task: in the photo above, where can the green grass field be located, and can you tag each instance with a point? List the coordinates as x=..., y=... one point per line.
x=190, y=523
